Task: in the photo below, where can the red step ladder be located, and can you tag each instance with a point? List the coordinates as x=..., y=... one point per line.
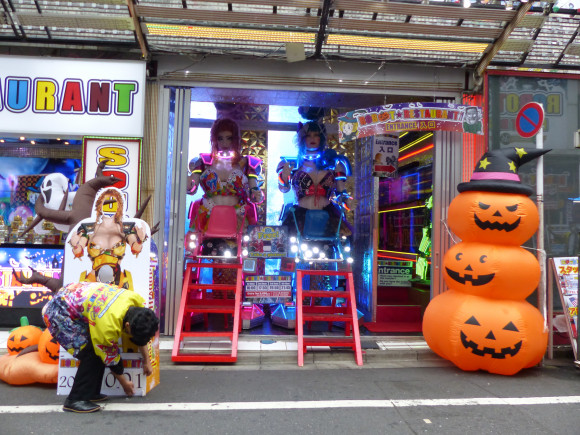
x=208, y=346
x=346, y=313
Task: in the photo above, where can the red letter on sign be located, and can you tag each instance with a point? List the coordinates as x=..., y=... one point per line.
x=119, y=174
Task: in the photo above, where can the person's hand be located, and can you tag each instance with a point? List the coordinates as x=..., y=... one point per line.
x=257, y=196
x=286, y=172
x=78, y=251
x=147, y=368
x=191, y=185
x=126, y=384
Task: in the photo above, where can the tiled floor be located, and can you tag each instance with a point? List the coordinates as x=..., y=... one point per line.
x=281, y=343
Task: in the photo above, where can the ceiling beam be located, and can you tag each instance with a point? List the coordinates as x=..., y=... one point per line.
x=451, y=11
x=429, y=31
x=495, y=47
x=322, y=29
x=138, y=31
x=231, y=18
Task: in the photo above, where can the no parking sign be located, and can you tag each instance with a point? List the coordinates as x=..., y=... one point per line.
x=530, y=119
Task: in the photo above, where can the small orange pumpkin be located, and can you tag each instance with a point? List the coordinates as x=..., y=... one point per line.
x=494, y=271
x=493, y=217
x=48, y=348
x=476, y=333
x=22, y=337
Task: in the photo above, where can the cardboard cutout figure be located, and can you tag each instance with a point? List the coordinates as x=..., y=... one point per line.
x=109, y=247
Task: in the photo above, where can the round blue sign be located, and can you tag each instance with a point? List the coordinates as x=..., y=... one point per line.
x=530, y=119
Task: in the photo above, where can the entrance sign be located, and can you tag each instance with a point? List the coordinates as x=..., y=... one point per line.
x=530, y=119
x=393, y=273
x=428, y=116
x=71, y=97
x=385, y=155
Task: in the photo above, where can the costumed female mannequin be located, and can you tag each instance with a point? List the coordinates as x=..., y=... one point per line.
x=226, y=177
x=317, y=175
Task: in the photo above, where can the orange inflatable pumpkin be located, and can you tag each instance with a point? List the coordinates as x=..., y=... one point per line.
x=484, y=321
x=478, y=333
x=27, y=369
x=22, y=337
x=48, y=348
x=493, y=217
x=494, y=271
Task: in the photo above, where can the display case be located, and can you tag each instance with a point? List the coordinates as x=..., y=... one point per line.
x=16, y=299
x=41, y=249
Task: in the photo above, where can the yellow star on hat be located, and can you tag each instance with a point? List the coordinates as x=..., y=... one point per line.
x=520, y=152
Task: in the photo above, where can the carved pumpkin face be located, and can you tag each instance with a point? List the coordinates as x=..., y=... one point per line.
x=22, y=337
x=493, y=217
x=475, y=333
x=48, y=348
x=494, y=271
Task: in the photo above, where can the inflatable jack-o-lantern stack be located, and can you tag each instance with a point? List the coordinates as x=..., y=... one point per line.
x=484, y=322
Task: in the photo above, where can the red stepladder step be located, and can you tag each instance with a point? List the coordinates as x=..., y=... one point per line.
x=208, y=346
x=346, y=313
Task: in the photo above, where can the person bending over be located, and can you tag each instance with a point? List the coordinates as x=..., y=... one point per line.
x=88, y=319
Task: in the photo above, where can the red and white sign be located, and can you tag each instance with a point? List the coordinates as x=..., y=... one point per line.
x=530, y=119
x=124, y=155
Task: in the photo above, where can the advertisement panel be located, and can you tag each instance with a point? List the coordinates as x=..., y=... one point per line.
x=417, y=116
x=71, y=97
x=124, y=162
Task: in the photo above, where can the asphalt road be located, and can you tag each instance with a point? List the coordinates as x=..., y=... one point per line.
x=222, y=400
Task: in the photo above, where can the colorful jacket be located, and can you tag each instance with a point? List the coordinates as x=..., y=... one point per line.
x=92, y=310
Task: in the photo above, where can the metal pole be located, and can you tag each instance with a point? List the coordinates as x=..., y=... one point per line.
x=540, y=242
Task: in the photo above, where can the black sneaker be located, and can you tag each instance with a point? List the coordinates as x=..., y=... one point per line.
x=100, y=398
x=82, y=406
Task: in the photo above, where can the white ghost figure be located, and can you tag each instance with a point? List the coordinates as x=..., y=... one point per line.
x=54, y=190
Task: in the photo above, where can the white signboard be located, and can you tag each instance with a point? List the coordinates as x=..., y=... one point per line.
x=71, y=97
x=123, y=161
x=132, y=368
x=385, y=155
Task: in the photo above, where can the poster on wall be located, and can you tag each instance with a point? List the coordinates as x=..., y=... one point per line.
x=557, y=97
x=566, y=274
x=50, y=96
x=386, y=155
x=416, y=116
x=267, y=241
x=124, y=162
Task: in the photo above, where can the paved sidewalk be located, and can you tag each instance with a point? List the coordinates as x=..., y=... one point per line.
x=272, y=352
x=267, y=351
